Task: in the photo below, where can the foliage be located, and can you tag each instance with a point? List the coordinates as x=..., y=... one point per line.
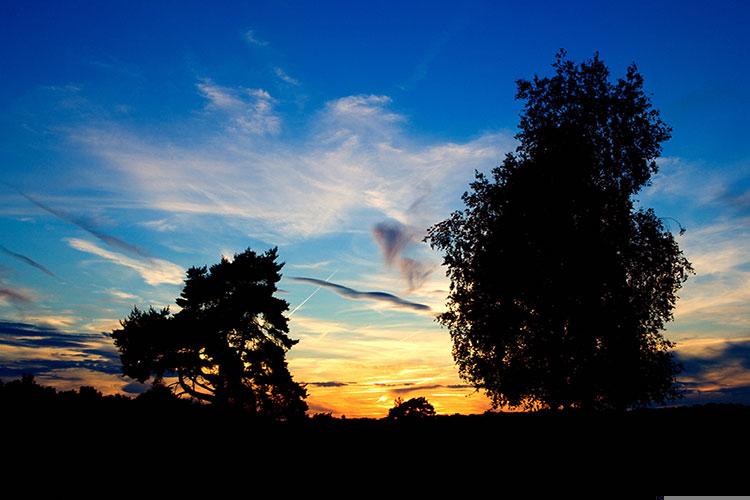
x=414, y=408
x=226, y=345
x=560, y=283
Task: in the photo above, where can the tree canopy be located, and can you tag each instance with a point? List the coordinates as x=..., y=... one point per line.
x=226, y=345
x=414, y=408
x=560, y=282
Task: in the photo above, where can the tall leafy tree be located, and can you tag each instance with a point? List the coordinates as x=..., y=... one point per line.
x=228, y=342
x=560, y=282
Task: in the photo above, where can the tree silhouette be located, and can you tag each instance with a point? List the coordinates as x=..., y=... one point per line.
x=414, y=408
x=560, y=283
x=228, y=342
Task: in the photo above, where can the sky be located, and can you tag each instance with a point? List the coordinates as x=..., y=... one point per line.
x=138, y=139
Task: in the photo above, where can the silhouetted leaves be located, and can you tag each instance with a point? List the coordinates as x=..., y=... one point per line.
x=560, y=286
x=228, y=342
x=414, y=408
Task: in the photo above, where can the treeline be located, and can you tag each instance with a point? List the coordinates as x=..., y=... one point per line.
x=160, y=427
x=25, y=397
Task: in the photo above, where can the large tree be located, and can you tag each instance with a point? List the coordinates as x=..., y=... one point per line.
x=226, y=345
x=560, y=282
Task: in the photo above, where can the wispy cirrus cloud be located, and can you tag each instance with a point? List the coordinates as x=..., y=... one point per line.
x=354, y=161
x=27, y=260
x=153, y=271
x=363, y=106
x=312, y=265
x=252, y=38
x=89, y=227
x=284, y=77
x=717, y=242
x=250, y=110
x=351, y=293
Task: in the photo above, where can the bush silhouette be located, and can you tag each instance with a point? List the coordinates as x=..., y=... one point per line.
x=226, y=345
x=560, y=283
x=415, y=408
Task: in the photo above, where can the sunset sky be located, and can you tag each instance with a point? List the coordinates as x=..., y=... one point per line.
x=138, y=139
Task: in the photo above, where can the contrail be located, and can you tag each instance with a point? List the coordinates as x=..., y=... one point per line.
x=311, y=295
x=89, y=228
x=27, y=260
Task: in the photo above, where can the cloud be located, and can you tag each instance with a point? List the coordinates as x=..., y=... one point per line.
x=393, y=238
x=350, y=293
x=409, y=388
x=312, y=265
x=706, y=187
x=15, y=296
x=250, y=110
x=709, y=201
x=327, y=384
x=718, y=372
x=160, y=225
x=252, y=38
x=363, y=106
x=284, y=77
x=124, y=296
x=33, y=349
x=135, y=388
x=415, y=272
x=715, y=355
x=27, y=260
x=89, y=227
x=353, y=162
x=153, y=271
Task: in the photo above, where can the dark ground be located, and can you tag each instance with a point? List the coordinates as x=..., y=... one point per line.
x=697, y=449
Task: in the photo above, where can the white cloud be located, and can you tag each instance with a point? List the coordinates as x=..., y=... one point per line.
x=363, y=106
x=123, y=296
x=153, y=271
x=251, y=38
x=720, y=291
x=354, y=166
x=160, y=225
x=701, y=185
x=717, y=242
x=249, y=109
x=284, y=77
x=219, y=97
x=322, y=264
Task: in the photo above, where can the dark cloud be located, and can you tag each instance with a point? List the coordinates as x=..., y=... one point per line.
x=136, y=388
x=731, y=353
x=414, y=271
x=90, y=228
x=701, y=370
x=734, y=395
x=350, y=293
x=14, y=296
x=332, y=383
x=27, y=260
x=77, y=350
x=393, y=238
x=416, y=388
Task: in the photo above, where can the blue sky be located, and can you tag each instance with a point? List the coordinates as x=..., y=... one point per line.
x=138, y=139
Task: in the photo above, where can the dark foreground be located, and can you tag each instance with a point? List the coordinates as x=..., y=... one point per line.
x=695, y=449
